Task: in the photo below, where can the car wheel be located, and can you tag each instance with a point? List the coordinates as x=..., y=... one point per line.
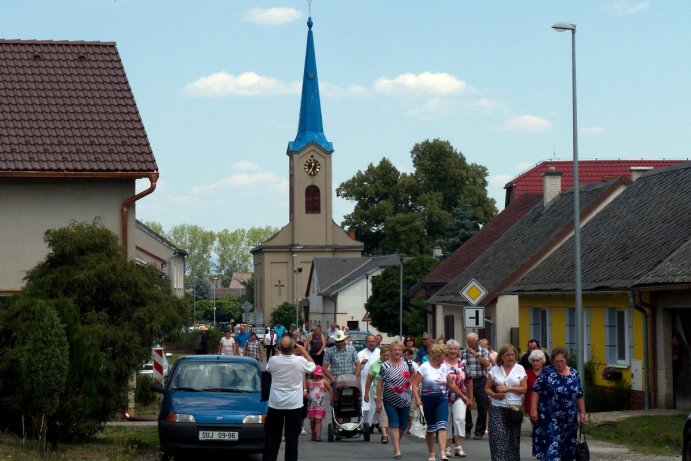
x=330, y=432
x=365, y=431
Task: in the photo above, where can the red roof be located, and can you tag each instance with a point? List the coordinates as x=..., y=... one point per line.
x=68, y=107
x=589, y=171
x=478, y=243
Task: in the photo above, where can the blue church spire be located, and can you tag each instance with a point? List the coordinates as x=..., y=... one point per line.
x=310, y=128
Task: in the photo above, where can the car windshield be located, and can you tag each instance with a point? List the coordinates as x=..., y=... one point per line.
x=216, y=377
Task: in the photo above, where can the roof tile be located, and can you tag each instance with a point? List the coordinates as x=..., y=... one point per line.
x=67, y=106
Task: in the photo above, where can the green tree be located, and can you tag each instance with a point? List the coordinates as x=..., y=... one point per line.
x=111, y=309
x=233, y=249
x=411, y=213
x=284, y=313
x=198, y=243
x=155, y=226
x=384, y=304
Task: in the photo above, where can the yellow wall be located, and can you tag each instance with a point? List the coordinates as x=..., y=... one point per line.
x=596, y=306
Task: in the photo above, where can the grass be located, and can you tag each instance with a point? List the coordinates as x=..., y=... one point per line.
x=131, y=443
x=649, y=435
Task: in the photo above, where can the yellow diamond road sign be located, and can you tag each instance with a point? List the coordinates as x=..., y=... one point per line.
x=473, y=292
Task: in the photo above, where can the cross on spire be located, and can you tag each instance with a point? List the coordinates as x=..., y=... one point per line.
x=309, y=8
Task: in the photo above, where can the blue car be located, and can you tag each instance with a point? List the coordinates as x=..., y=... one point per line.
x=211, y=403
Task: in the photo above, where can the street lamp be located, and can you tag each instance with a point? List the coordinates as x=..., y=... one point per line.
x=296, y=271
x=400, y=300
x=215, y=279
x=562, y=27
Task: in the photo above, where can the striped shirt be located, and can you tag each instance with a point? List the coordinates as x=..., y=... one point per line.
x=396, y=382
x=474, y=366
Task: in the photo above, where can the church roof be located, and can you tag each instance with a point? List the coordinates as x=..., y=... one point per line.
x=310, y=128
x=66, y=107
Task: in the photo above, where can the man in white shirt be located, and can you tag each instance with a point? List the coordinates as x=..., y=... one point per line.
x=285, y=399
x=368, y=355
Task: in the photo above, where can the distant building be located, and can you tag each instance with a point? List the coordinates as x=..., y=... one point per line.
x=153, y=249
x=281, y=262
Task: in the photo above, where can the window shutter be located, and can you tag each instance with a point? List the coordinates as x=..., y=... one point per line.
x=586, y=334
x=611, y=336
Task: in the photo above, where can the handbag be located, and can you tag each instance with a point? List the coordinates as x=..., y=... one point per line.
x=582, y=450
x=419, y=426
x=515, y=414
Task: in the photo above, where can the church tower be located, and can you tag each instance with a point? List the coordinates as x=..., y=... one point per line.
x=282, y=263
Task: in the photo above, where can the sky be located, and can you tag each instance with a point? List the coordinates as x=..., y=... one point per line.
x=217, y=84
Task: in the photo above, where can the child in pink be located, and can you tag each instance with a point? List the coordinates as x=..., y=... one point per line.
x=316, y=410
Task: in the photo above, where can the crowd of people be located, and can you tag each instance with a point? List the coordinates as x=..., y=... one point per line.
x=442, y=379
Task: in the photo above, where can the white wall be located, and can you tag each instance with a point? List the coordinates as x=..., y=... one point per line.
x=29, y=208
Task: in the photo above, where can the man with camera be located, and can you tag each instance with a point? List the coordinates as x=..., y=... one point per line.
x=286, y=398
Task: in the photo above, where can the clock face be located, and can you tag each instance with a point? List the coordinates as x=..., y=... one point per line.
x=312, y=167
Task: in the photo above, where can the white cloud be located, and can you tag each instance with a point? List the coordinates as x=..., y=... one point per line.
x=592, y=131
x=624, y=7
x=500, y=180
x=486, y=105
x=528, y=124
x=264, y=180
x=245, y=165
x=272, y=16
x=246, y=84
x=440, y=83
x=432, y=108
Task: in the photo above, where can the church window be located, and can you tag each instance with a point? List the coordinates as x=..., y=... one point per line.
x=312, y=200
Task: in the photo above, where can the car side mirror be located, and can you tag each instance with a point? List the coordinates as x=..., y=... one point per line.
x=155, y=387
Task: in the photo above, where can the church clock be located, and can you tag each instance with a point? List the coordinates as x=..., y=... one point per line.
x=312, y=167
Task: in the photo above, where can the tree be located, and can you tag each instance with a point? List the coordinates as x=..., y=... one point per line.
x=233, y=249
x=384, y=304
x=155, y=226
x=111, y=310
x=198, y=243
x=411, y=213
x=284, y=313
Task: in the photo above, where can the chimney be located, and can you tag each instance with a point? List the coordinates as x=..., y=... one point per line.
x=638, y=171
x=551, y=185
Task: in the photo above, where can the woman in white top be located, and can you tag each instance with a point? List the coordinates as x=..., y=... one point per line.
x=507, y=382
x=228, y=346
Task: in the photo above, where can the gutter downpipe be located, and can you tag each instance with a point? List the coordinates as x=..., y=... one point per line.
x=153, y=178
x=634, y=298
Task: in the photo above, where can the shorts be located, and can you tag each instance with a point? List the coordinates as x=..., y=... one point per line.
x=398, y=417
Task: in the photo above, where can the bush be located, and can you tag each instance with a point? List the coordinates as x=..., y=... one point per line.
x=601, y=398
x=143, y=394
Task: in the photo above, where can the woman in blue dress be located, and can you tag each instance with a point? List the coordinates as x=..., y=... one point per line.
x=558, y=408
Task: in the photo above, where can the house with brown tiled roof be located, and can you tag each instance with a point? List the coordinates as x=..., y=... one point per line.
x=72, y=144
x=539, y=232
x=636, y=292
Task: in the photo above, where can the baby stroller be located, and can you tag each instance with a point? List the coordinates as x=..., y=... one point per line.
x=347, y=406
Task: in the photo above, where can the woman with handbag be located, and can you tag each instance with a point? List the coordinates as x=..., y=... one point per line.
x=430, y=390
x=558, y=408
x=507, y=382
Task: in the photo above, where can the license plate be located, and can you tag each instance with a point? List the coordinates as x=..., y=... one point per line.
x=218, y=435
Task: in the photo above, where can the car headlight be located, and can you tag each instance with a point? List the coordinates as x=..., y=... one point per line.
x=253, y=419
x=179, y=418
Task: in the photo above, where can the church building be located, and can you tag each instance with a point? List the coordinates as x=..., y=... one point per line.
x=282, y=263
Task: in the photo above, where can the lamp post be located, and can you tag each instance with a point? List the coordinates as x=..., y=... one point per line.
x=215, y=279
x=562, y=27
x=400, y=300
x=296, y=271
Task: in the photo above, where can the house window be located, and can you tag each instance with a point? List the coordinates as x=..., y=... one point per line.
x=571, y=340
x=312, y=200
x=541, y=326
x=618, y=332
x=448, y=327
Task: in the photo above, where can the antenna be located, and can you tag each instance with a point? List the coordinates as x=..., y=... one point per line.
x=309, y=8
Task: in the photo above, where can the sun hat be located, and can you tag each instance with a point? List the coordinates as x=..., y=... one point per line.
x=318, y=371
x=339, y=336
x=203, y=328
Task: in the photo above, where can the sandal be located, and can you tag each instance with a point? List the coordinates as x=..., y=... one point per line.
x=384, y=439
x=431, y=457
x=458, y=451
